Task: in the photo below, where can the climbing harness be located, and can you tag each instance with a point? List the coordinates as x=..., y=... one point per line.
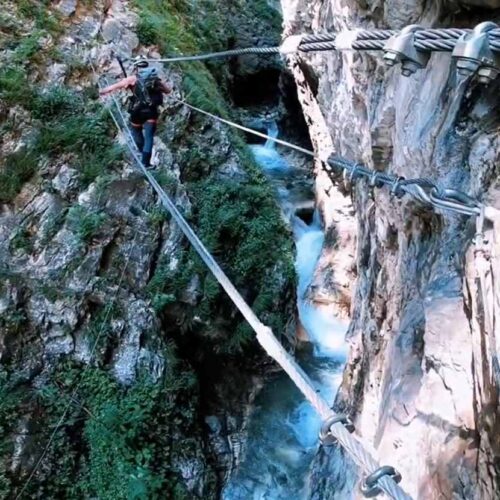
x=475, y=51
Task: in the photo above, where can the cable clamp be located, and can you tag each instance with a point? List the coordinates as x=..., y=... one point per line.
x=401, y=48
x=325, y=435
x=291, y=44
x=473, y=53
x=370, y=488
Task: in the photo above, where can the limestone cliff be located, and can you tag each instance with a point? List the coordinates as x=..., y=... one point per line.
x=422, y=379
x=125, y=371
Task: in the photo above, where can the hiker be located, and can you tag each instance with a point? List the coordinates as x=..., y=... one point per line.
x=147, y=95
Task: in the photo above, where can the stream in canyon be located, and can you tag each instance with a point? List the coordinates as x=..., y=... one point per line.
x=283, y=428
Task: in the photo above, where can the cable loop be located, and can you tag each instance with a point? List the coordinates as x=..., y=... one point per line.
x=370, y=486
x=355, y=169
x=325, y=435
x=396, y=187
x=375, y=179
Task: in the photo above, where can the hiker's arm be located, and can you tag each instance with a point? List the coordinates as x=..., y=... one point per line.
x=130, y=81
x=167, y=87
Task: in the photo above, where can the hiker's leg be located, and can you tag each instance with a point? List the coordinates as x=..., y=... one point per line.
x=149, y=134
x=137, y=135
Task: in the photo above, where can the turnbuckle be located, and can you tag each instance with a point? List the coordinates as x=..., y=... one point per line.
x=401, y=49
x=473, y=54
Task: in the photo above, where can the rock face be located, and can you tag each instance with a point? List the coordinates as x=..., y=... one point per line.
x=422, y=380
x=104, y=311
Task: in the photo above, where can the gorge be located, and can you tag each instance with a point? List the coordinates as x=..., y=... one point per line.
x=125, y=371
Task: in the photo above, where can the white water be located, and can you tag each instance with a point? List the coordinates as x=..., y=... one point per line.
x=283, y=428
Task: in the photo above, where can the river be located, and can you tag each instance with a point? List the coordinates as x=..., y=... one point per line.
x=283, y=428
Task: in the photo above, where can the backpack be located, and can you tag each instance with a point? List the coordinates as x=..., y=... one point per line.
x=147, y=94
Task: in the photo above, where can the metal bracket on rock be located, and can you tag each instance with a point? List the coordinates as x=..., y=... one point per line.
x=473, y=53
x=401, y=48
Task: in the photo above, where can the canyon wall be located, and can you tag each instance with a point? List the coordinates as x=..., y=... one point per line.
x=422, y=378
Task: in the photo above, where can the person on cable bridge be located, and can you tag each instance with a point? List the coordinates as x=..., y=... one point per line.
x=147, y=96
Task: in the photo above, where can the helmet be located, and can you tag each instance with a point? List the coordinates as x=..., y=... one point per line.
x=140, y=62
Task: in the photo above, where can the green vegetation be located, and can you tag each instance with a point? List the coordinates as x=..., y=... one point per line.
x=130, y=435
x=21, y=241
x=9, y=414
x=17, y=169
x=12, y=321
x=239, y=222
x=56, y=102
x=241, y=226
x=118, y=442
x=86, y=223
x=70, y=124
x=14, y=86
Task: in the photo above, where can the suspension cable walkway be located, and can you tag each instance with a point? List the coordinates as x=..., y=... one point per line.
x=336, y=428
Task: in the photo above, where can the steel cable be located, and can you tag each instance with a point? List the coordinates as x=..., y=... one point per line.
x=419, y=189
x=427, y=39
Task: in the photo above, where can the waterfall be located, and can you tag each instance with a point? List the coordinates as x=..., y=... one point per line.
x=272, y=131
x=283, y=428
